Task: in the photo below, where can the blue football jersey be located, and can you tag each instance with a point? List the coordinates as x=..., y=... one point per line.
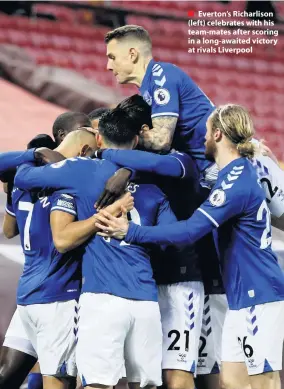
x=171, y=92
x=238, y=209
x=109, y=266
x=176, y=174
x=48, y=276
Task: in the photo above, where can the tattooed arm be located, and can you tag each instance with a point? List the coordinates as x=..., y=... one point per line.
x=159, y=137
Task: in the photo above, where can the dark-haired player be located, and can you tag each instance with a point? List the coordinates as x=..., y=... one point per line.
x=95, y=116
x=68, y=122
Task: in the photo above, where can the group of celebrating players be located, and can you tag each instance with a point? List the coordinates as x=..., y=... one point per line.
x=146, y=231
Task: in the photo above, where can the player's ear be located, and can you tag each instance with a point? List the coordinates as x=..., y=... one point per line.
x=217, y=135
x=144, y=128
x=85, y=151
x=133, y=53
x=61, y=135
x=99, y=140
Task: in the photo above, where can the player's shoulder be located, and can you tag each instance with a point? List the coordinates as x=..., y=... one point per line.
x=164, y=69
x=18, y=194
x=237, y=178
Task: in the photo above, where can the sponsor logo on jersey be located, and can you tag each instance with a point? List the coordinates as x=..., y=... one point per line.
x=162, y=96
x=217, y=198
x=66, y=204
x=67, y=196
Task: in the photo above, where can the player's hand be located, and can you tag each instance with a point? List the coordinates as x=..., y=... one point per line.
x=112, y=227
x=265, y=150
x=43, y=155
x=126, y=201
x=91, y=129
x=114, y=188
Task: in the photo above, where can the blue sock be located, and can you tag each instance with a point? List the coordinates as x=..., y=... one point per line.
x=35, y=381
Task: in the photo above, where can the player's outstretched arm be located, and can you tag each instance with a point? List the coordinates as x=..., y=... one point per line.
x=57, y=176
x=68, y=234
x=12, y=159
x=159, y=137
x=216, y=210
x=164, y=165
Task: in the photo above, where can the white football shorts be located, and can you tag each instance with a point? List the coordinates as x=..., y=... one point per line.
x=181, y=307
x=52, y=329
x=17, y=338
x=255, y=336
x=114, y=332
x=214, y=312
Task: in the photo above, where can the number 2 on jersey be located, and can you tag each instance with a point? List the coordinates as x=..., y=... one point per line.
x=266, y=235
x=28, y=207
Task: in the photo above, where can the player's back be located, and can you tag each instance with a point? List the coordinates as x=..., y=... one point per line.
x=244, y=241
x=48, y=276
x=176, y=94
x=198, y=262
x=122, y=269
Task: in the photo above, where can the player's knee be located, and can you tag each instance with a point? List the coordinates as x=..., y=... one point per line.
x=179, y=380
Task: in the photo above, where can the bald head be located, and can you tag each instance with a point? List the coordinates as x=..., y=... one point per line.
x=78, y=143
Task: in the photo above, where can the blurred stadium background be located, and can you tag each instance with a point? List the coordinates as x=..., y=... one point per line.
x=52, y=59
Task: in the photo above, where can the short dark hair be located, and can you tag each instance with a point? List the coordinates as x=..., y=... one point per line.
x=97, y=113
x=137, y=108
x=70, y=121
x=117, y=127
x=129, y=30
x=42, y=140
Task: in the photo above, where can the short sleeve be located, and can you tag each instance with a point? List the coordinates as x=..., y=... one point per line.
x=165, y=91
x=188, y=166
x=63, y=202
x=10, y=209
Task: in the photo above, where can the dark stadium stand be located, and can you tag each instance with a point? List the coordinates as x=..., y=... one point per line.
x=255, y=80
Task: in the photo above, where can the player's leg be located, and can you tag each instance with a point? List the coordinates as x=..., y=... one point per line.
x=17, y=355
x=103, y=325
x=209, y=357
x=181, y=308
x=234, y=373
x=143, y=345
x=14, y=367
x=262, y=344
x=51, y=330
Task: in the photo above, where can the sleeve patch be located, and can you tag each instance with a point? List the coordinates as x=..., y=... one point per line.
x=162, y=96
x=64, y=204
x=217, y=198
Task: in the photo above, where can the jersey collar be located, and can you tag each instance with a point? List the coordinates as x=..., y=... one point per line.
x=235, y=163
x=147, y=75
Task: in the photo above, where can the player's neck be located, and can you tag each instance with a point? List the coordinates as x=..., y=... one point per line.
x=61, y=149
x=140, y=72
x=225, y=157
